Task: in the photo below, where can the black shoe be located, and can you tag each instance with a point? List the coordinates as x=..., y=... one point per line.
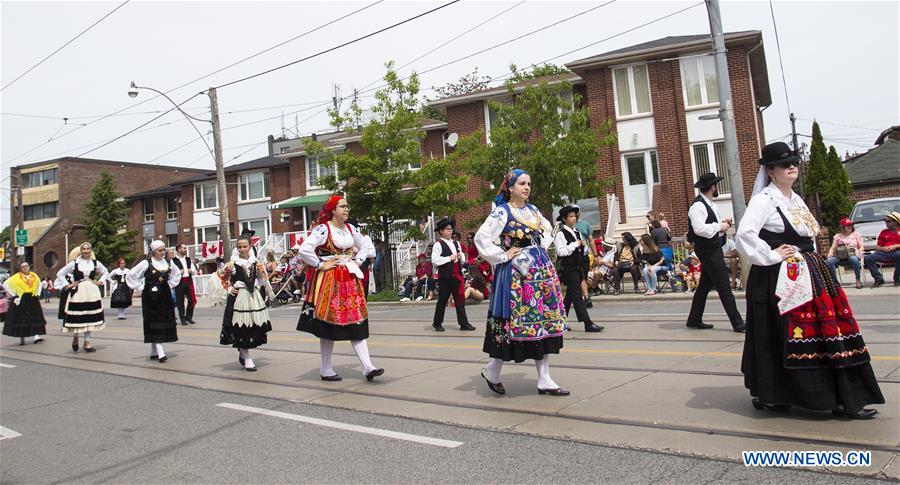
x=878, y=283
x=39, y=341
x=588, y=304
x=466, y=327
x=592, y=327
x=184, y=322
x=162, y=360
x=375, y=373
x=861, y=414
x=75, y=346
x=154, y=357
x=553, y=392
x=90, y=349
x=741, y=329
x=498, y=387
x=438, y=328
x=250, y=369
x=191, y=321
x=779, y=408
x=700, y=325
x=334, y=378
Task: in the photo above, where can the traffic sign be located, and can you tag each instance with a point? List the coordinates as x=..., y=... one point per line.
x=21, y=237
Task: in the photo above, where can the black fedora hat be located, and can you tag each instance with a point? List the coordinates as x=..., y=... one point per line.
x=707, y=180
x=442, y=224
x=566, y=210
x=778, y=152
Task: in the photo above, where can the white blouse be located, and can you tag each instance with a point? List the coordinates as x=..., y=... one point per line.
x=563, y=248
x=438, y=260
x=113, y=284
x=761, y=214
x=260, y=280
x=85, y=266
x=487, y=239
x=342, y=238
x=135, y=278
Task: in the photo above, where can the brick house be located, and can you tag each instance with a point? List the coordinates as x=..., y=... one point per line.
x=54, y=193
x=654, y=93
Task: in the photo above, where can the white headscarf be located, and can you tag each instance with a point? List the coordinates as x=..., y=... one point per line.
x=157, y=244
x=761, y=182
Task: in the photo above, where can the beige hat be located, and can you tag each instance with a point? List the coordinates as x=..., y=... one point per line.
x=893, y=215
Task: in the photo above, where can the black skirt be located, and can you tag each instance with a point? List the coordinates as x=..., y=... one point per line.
x=158, y=311
x=498, y=346
x=822, y=388
x=329, y=331
x=25, y=319
x=242, y=336
x=121, y=297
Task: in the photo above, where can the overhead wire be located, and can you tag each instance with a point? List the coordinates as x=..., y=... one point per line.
x=780, y=63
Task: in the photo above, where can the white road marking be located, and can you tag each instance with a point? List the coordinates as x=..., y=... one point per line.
x=7, y=366
x=344, y=426
x=6, y=433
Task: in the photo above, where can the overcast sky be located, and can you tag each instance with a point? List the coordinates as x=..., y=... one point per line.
x=840, y=63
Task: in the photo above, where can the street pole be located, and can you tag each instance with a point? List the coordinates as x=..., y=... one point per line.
x=797, y=149
x=224, y=222
x=20, y=220
x=726, y=111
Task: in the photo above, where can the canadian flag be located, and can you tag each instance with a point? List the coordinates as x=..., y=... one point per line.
x=211, y=249
x=296, y=240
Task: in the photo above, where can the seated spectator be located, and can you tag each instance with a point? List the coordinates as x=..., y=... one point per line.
x=887, y=248
x=423, y=273
x=627, y=260
x=406, y=292
x=476, y=286
x=691, y=269
x=485, y=269
x=846, y=248
x=653, y=261
x=729, y=250
x=660, y=235
x=604, y=268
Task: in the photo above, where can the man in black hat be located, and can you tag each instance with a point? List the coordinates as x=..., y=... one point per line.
x=185, y=289
x=570, y=251
x=707, y=234
x=448, y=257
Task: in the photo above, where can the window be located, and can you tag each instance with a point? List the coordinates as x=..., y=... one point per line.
x=718, y=165
x=207, y=234
x=148, y=210
x=632, y=90
x=654, y=166
x=698, y=79
x=254, y=186
x=40, y=211
x=261, y=226
x=205, y=196
x=38, y=179
x=316, y=171
x=50, y=259
x=147, y=241
x=171, y=207
x=285, y=149
x=171, y=240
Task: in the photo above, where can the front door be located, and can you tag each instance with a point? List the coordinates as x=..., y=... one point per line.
x=637, y=184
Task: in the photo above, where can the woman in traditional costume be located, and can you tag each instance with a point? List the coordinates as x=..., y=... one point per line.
x=246, y=320
x=80, y=303
x=155, y=277
x=526, y=316
x=335, y=302
x=121, y=293
x=803, y=346
x=25, y=318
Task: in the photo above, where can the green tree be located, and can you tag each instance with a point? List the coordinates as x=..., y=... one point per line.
x=105, y=218
x=467, y=84
x=545, y=132
x=546, y=69
x=4, y=236
x=389, y=182
x=826, y=182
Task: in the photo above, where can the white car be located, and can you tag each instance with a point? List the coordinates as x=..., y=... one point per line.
x=868, y=218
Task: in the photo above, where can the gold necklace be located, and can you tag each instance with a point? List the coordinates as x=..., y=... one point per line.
x=526, y=216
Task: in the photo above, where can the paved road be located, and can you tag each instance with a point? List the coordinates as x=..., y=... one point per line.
x=87, y=427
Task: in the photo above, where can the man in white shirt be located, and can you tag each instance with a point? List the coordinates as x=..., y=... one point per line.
x=448, y=257
x=706, y=233
x=571, y=254
x=185, y=289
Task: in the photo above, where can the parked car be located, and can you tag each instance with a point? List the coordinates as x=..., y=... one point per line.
x=868, y=218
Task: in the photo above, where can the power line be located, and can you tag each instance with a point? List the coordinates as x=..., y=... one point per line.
x=330, y=49
x=780, y=64
x=841, y=124
x=64, y=45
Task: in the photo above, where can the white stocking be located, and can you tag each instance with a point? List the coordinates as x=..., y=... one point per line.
x=326, y=347
x=121, y=313
x=492, y=370
x=38, y=337
x=159, y=350
x=152, y=350
x=87, y=336
x=248, y=361
x=543, y=371
x=362, y=351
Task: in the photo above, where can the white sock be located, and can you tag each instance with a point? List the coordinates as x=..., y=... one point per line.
x=326, y=347
x=362, y=351
x=248, y=361
x=152, y=350
x=121, y=313
x=38, y=337
x=87, y=336
x=543, y=371
x=492, y=370
x=159, y=350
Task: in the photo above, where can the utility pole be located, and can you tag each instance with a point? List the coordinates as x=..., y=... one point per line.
x=797, y=150
x=19, y=220
x=224, y=222
x=726, y=110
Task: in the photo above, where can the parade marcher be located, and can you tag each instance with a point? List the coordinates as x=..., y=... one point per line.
x=706, y=233
x=24, y=318
x=571, y=252
x=121, y=293
x=448, y=257
x=246, y=320
x=335, y=302
x=585, y=229
x=80, y=303
x=185, y=289
x=803, y=346
x=526, y=315
x=155, y=277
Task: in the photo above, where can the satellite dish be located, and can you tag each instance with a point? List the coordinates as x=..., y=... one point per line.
x=452, y=139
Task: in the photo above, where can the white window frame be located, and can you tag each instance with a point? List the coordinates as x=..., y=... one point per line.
x=724, y=189
x=696, y=63
x=171, y=215
x=151, y=217
x=200, y=233
x=632, y=91
x=318, y=172
x=267, y=228
x=199, y=189
x=244, y=185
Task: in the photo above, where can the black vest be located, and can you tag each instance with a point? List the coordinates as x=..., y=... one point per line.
x=702, y=245
x=446, y=270
x=574, y=261
x=177, y=262
x=77, y=275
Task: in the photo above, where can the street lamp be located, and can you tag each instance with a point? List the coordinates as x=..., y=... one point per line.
x=215, y=151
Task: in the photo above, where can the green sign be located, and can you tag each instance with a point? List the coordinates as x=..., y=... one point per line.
x=21, y=237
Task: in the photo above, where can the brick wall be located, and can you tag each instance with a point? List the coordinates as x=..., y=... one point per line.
x=186, y=215
x=467, y=119
x=599, y=99
x=875, y=192
x=279, y=189
x=749, y=148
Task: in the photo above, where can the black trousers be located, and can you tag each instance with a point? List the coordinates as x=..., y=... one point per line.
x=447, y=287
x=182, y=294
x=571, y=278
x=714, y=274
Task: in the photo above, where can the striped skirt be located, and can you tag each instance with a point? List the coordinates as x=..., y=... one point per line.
x=83, y=311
